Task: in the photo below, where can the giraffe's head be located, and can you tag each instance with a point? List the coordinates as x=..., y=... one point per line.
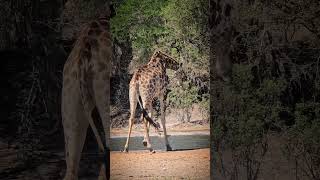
x=165, y=60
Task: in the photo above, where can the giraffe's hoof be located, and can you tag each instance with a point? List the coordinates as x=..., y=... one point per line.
x=125, y=150
x=169, y=148
x=144, y=143
x=151, y=151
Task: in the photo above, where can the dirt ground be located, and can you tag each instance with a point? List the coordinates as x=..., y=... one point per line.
x=184, y=164
x=190, y=164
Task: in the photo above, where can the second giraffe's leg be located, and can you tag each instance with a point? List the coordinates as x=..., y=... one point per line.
x=163, y=122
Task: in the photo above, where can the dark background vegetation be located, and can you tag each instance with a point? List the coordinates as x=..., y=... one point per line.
x=265, y=115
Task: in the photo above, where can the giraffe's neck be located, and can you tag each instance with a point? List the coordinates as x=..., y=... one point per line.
x=158, y=64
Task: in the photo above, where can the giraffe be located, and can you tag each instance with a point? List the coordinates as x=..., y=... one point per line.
x=150, y=83
x=85, y=92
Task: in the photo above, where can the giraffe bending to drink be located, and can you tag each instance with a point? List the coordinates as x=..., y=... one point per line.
x=150, y=83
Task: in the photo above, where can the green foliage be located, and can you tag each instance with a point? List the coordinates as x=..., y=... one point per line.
x=139, y=21
x=176, y=27
x=186, y=22
x=164, y=24
x=244, y=114
x=251, y=109
x=185, y=18
x=183, y=96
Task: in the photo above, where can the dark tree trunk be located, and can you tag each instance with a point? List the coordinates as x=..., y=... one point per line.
x=221, y=30
x=221, y=35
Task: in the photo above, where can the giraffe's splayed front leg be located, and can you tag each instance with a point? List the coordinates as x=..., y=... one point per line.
x=152, y=151
x=125, y=150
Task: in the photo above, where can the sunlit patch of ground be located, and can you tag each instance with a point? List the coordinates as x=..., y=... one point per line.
x=191, y=164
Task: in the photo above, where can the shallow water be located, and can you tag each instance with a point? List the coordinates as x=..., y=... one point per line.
x=177, y=142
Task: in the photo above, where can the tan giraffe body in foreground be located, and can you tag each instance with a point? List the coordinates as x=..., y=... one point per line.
x=85, y=93
x=150, y=83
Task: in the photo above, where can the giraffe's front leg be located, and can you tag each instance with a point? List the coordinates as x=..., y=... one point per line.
x=144, y=142
x=163, y=122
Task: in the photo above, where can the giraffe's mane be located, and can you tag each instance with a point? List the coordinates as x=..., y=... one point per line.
x=157, y=53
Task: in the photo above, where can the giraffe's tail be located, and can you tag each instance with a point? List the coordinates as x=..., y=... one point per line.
x=90, y=109
x=145, y=114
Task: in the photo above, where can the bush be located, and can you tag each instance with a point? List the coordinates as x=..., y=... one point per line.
x=303, y=139
x=244, y=114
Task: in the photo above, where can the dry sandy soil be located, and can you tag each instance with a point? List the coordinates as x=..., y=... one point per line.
x=191, y=164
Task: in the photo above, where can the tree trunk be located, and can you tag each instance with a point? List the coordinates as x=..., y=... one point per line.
x=221, y=30
x=221, y=35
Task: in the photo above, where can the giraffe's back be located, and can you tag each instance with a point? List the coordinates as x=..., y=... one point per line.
x=150, y=80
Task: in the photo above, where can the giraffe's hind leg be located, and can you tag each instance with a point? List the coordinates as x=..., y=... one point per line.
x=133, y=105
x=75, y=128
x=101, y=91
x=126, y=146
